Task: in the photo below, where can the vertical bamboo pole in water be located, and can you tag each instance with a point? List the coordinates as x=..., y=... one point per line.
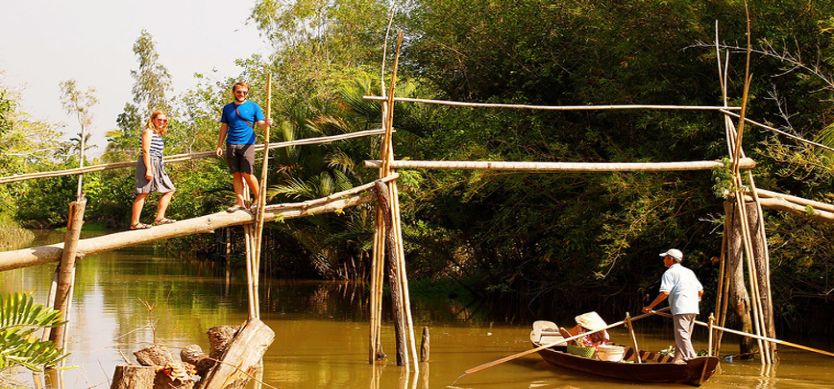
x=66, y=279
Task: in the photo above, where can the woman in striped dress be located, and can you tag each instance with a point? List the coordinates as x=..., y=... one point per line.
x=150, y=174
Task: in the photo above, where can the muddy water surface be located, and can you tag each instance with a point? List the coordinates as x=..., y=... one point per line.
x=127, y=299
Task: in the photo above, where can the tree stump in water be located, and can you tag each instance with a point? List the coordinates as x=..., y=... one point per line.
x=219, y=339
x=241, y=358
x=146, y=377
x=195, y=356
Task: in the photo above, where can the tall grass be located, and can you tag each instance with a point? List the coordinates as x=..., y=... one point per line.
x=13, y=237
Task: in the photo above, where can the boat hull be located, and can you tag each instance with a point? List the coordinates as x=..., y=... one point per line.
x=694, y=372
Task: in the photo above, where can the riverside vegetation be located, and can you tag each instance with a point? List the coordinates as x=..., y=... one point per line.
x=537, y=242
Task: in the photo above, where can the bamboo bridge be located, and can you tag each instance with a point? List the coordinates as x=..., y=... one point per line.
x=744, y=236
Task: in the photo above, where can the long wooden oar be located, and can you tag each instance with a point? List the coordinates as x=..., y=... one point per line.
x=765, y=338
x=523, y=353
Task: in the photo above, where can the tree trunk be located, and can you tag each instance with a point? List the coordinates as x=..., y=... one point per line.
x=393, y=271
x=739, y=297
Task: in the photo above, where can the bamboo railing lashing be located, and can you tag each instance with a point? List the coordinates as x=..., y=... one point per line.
x=555, y=107
x=185, y=157
x=561, y=167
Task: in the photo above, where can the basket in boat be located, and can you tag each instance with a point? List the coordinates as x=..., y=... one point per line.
x=587, y=352
x=610, y=353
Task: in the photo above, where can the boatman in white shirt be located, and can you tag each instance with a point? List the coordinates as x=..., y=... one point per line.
x=684, y=291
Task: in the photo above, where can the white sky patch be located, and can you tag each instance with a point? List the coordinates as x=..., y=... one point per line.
x=91, y=41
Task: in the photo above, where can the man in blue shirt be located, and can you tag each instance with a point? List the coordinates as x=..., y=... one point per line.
x=684, y=291
x=237, y=129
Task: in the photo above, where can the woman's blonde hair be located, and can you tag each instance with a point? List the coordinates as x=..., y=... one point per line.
x=158, y=130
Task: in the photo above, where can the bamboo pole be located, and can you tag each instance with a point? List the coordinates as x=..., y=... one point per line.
x=560, y=167
x=185, y=157
x=795, y=200
x=66, y=268
x=787, y=206
x=760, y=337
x=205, y=224
x=711, y=330
x=778, y=131
x=633, y=337
x=554, y=107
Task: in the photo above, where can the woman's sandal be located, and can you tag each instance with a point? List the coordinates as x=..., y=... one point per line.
x=140, y=226
x=162, y=221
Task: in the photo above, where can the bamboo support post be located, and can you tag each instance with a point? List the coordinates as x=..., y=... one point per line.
x=711, y=331
x=560, y=167
x=554, y=107
x=633, y=337
x=425, y=345
x=66, y=272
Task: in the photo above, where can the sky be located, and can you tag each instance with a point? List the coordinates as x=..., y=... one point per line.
x=91, y=41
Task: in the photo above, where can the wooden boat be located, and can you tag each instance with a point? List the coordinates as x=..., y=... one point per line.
x=655, y=367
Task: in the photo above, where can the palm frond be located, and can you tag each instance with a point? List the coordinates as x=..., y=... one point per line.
x=341, y=161
x=20, y=317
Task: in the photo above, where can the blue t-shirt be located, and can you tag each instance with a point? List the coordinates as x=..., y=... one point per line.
x=240, y=132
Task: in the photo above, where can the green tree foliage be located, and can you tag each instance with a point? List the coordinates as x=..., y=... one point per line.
x=20, y=317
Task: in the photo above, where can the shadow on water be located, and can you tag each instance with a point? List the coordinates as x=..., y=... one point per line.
x=127, y=299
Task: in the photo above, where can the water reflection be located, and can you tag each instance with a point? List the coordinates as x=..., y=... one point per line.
x=131, y=298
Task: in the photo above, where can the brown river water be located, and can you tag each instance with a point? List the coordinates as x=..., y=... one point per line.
x=126, y=299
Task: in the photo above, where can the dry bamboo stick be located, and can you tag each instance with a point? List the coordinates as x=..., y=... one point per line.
x=184, y=157
x=794, y=199
x=257, y=232
x=561, y=167
x=778, y=131
x=554, y=107
x=204, y=224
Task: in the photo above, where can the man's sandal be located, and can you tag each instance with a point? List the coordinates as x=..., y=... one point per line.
x=140, y=226
x=164, y=220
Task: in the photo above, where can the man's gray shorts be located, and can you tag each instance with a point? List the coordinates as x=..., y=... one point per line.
x=241, y=158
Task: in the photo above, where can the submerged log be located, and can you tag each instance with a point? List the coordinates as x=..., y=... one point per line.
x=241, y=358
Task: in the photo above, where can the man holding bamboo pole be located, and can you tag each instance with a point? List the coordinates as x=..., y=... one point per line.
x=684, y=291
x=237, y=130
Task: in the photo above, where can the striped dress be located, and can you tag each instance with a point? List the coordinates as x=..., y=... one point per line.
x=161, y=182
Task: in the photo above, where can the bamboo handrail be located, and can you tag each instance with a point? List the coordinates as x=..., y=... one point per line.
x=185, y=157
x=795, y=199
x=562, y=167
x=33, y=256
x=784, y=205
x=555, y=107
